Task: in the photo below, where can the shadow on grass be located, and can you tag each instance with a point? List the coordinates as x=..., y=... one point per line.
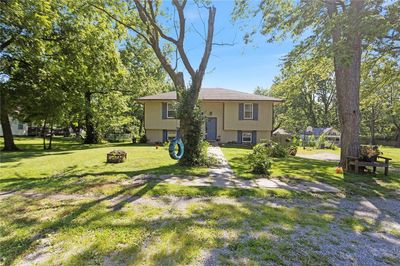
x=61, y=146
x=261, y=233
x=297, y=168
x=226, y=217
x=72, y=182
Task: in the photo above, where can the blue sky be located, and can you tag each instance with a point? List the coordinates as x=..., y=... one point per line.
x=242, y=66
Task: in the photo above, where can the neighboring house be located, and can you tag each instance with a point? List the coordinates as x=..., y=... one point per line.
x=231, y=116
x=18, y=128
x=331, y=134
x=281, y=131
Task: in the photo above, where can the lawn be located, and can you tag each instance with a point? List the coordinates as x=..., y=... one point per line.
x=391, y=152
x=76, y=168
x=295, y=168
x=68, y=207
x=116, y=230
x=310, y=151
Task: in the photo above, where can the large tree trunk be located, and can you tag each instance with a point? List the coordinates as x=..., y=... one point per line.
x=9, y=144
x=372, y=127
x=347, y=74
x=91, y=136
x=191, y=126
x=348, y=84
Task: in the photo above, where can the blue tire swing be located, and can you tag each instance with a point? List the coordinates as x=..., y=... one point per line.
x=176, y=141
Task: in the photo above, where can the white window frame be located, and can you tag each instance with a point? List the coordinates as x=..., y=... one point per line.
x=248, y=135
x=20, y=126
x=172, y=108
x=244, y=111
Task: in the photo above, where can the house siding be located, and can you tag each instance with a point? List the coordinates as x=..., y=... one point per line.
x=153, y=118
x=232, y=121
x=14, y=128
x=228, y=123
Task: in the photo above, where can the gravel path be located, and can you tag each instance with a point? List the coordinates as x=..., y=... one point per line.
x=336, y=244
x=325, y=156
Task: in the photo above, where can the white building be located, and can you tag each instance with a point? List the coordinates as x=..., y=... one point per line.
x=18, y=128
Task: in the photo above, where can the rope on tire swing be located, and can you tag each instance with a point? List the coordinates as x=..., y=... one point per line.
x=176, y=141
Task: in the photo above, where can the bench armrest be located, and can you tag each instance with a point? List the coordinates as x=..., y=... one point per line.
x=385, y=158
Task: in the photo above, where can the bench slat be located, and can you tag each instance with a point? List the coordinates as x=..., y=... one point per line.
x=361, y=163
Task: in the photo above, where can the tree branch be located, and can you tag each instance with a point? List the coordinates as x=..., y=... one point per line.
x=5, y=44
x=209, y=42
x=181, y=37
x=121, y=22
x=146, y=17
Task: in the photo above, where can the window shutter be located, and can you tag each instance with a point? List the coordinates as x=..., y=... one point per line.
x=164, y=111
x=241, y=110
x=164, y=135
x=239, y=137
x=255, y=111
x=254, y=137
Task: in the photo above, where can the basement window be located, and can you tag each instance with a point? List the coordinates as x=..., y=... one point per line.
x=247, y=137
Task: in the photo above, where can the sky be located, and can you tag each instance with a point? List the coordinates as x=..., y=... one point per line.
x=240, y=67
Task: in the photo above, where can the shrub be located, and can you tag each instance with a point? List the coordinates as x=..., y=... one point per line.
x=204, y=158
x=258, y=160
x=311, y=141
x=292, y=150
x=276, y=150
x=321, y=142
x=143, y=139
x=296, y=141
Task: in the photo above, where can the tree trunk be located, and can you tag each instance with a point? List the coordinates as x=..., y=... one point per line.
x=44, y=133
x=51, y=137
x=91, y=136
x=9, y=144
x=397, y=136
x=372, y=127
x=141, y=126
x=347, y=80
x=347, y=74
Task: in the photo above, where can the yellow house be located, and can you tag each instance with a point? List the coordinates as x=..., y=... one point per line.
x=231, y=116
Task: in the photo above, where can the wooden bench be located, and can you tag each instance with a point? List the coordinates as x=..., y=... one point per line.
x=350, y=160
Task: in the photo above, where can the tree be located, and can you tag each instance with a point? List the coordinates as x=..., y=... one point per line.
x=380, y=80
x=337, y=29
x=307, y=85
x=63, y=64
x=24, y=27
x=146, y=24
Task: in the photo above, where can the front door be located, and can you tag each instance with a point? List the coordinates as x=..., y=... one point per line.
x=211, y=128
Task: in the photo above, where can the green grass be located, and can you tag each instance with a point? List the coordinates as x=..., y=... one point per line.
x=390, y=152
x=75, y=168
x=309, y=151
x=294, y=168
x=84, y=214
x=83, y=232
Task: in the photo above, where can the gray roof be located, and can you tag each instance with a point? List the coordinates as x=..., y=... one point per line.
x=214, y=94
x=319, y=130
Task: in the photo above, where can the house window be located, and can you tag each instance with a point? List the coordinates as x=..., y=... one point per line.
x=20, y=126
x=171, y=110
x=248, y=111
x=247, y=137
